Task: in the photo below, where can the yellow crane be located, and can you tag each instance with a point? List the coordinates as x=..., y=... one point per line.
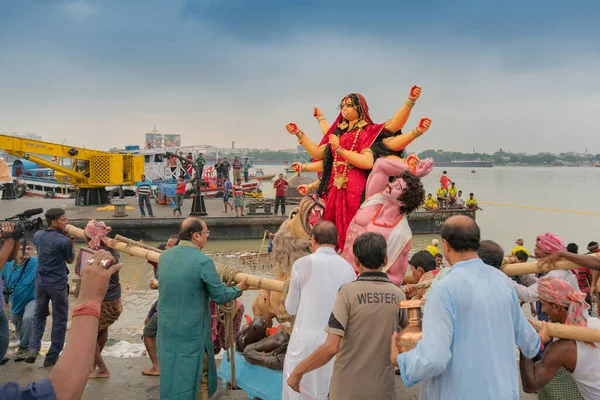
x=91, y=171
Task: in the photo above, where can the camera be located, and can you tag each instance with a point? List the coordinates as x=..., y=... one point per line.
x=6, y=292
x=24, y=223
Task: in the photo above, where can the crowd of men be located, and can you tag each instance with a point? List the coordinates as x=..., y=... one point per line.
x=343, y=344
x=448, y=196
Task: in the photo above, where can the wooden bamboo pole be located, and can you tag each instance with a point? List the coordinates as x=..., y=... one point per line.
x=138, y=244
x=253, y=280
x=537, y=267
x=569, y=332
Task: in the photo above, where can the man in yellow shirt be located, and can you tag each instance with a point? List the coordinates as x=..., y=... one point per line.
x=472, y=203
x=431, y=204
x=433, y=247
x=442, y=196
x=452, y=192
x=519, y=247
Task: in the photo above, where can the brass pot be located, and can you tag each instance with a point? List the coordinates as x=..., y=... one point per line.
x=409, y=336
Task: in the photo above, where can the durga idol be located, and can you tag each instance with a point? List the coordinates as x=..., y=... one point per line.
x=348, y=151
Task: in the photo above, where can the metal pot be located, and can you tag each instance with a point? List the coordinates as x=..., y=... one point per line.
x=410, y=336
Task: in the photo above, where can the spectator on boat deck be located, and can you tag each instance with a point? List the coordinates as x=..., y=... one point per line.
x=472, y=312
x=460, y=200
x=247, y=166
x=519, y=247
x=431, y=204
x=144, y=193
x=442, y=196
x=201, y=163
x=19, y=279
x=219, y=171
x=237, y=166
x=226, y=167
x=365, y=314
x=452, y=193
x=472, y=203
x=433, y=247
x=444, y=180
x=565, y=305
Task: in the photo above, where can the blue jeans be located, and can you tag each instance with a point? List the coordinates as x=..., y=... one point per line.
x=145, y=198
x=23, y=321
x=60, y=316
x=246, y=175
x=3, y=334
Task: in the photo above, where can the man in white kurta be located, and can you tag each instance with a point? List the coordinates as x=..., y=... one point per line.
x=314, y=284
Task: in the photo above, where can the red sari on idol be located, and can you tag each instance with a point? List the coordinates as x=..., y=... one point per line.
x=347, y=182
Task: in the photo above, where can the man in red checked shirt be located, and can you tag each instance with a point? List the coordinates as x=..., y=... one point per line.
x=281, y=186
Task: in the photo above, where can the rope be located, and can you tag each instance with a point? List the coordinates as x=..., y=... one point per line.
x=540, y=208
x=263, y=243
x=225, y=315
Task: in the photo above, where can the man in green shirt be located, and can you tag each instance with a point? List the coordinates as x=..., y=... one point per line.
x=188, y=280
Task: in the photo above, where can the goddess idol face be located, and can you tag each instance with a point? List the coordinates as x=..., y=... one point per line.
x=349, y=110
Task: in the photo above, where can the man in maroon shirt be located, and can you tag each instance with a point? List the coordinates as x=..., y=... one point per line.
x=281, y=186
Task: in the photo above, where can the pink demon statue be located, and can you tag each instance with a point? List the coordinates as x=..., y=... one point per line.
x=386, y=209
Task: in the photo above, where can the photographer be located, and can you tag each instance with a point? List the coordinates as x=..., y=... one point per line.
x=8, y=252
x=19, y=282
x=55, y=249
x=68, y=378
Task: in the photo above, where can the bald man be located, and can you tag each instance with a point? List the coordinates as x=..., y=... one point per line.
x=188, y=279
x=467, y=351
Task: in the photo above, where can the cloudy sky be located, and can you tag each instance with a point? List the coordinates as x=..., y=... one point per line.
x=514, y=74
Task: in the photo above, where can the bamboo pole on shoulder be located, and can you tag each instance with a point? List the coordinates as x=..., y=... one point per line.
x=569, y=332
x=149, y=255
x=537, y=267
x=132, y=242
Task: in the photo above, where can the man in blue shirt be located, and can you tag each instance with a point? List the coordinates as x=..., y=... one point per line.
x=467, y=351
x=144, y=194
x=55, y=249
x=19, y=280
x=247, y=166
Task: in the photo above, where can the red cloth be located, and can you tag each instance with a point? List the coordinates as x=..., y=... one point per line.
x=341, y=205
x=96, y=231
x=180, y=189
x=584, y=277
x=557, y=291
x=281, y=186
x=550, y=243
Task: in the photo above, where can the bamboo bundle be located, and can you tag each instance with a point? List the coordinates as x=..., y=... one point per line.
x=138, y=244
x=536, y=267
x=569, y=332
x=253, y=280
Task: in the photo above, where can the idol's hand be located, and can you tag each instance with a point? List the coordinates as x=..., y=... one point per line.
x=292, y=128
x=302, y=189
x=334, y=141
x=297, y=166
x=423, y=168
x=424, y=125
x=415, y=92
x=317, y=112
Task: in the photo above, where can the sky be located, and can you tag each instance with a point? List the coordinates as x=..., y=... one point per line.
x=517, y=75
